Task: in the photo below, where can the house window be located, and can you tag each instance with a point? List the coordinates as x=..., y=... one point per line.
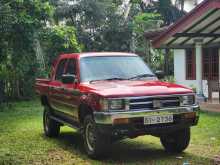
x=210, y=61
x=190, y=64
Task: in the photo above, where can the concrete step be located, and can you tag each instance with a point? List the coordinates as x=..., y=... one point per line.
x=207, y=106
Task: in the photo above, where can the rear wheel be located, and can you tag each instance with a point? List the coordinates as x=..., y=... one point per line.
x=95, y=144
x=177, y=141
x=51, y=127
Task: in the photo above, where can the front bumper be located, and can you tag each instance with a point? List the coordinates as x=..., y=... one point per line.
x=136, y=127
x=109, y=117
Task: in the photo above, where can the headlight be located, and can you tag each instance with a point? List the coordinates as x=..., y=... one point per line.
x=114, y=104
x=103, y=104
x=187, y=100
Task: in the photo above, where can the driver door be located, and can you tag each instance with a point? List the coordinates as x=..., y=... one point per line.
x=71, y=92
x=56, y=94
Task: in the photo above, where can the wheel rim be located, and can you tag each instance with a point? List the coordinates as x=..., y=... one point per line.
x=90, y=136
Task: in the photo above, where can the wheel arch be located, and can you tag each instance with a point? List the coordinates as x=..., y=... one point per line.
x=84, y=110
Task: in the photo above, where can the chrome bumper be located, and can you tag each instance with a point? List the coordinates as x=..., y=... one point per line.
x=109, y=117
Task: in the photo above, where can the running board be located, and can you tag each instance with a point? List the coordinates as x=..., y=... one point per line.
x=64, y=122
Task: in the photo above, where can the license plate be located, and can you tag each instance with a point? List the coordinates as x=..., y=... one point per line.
x=148, y=120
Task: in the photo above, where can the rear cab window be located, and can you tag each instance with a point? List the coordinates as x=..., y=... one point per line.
x=71, y=67
x=60, y=69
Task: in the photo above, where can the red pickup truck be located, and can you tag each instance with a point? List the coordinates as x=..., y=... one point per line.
x=110, y=96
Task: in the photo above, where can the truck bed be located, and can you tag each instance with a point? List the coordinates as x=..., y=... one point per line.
x=42, y=86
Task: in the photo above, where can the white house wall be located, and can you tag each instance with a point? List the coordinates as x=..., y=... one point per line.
x=180, y=71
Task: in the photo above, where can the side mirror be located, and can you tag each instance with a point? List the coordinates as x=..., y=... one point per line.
x=159, y=74
x=68, y=78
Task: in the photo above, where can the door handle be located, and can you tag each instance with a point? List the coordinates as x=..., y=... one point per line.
x=57, y=88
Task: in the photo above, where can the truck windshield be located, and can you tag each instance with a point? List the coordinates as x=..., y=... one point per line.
x=113, y=68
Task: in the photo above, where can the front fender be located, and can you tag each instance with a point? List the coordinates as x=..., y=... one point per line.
x=91, y=100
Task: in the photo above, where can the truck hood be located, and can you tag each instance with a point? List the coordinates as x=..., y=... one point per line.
x=133, y=88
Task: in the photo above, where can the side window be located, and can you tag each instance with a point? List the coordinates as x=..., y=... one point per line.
x=71, y=67
x=60, y=70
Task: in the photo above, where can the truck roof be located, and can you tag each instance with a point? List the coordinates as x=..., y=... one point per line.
x=88, y=54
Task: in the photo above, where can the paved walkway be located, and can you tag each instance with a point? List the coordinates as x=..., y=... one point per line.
x=213, y=106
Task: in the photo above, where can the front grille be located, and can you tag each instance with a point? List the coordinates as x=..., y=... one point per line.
x=149, y=102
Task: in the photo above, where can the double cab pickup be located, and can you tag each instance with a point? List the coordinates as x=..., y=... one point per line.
x=111, y=96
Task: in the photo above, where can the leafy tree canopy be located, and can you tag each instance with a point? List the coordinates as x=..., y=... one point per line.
x=34, y=32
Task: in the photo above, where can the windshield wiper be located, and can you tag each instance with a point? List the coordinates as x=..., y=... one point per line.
x=141, y=76
x=109, y=79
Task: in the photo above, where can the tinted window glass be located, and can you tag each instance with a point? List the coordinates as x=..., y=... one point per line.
x=104, y=67
x=71, y=67
x=60, y=69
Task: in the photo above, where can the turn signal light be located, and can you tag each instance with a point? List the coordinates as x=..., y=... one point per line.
x=190, y=115
x=121, y=121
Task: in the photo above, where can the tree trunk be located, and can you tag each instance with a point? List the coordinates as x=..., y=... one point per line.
x=182, y=5
x=166, y=62
x=147, y=54
x=2, y=97
x=18, y=89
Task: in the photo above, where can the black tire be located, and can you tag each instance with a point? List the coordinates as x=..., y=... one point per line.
x=176, y=142
x=51, y=127
x=95, y=144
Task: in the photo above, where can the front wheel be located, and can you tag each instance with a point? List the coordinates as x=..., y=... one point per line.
x=177, y=141
x=51, y=127
x=95, y=144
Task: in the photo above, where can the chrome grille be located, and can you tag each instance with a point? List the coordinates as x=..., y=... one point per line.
x=148, y=102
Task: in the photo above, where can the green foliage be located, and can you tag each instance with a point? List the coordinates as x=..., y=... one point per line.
x=169, y=12
x=165, y=8
x=170, y=79
x=152, y=16
x=22, y=24
x=149, y=17
x=146, y=21
x=57, y=40
x=19, y=20
x=32, y=34
x=157, y=59
x=100, y=26
x=193, y=87
x=136, y=1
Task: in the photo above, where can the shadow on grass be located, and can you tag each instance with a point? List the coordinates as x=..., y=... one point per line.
x=71, y=141
x=128, y=151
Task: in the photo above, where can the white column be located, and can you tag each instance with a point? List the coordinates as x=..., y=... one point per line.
x=198, y=52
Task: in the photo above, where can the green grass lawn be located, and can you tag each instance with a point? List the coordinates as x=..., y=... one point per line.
x=22, y=142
